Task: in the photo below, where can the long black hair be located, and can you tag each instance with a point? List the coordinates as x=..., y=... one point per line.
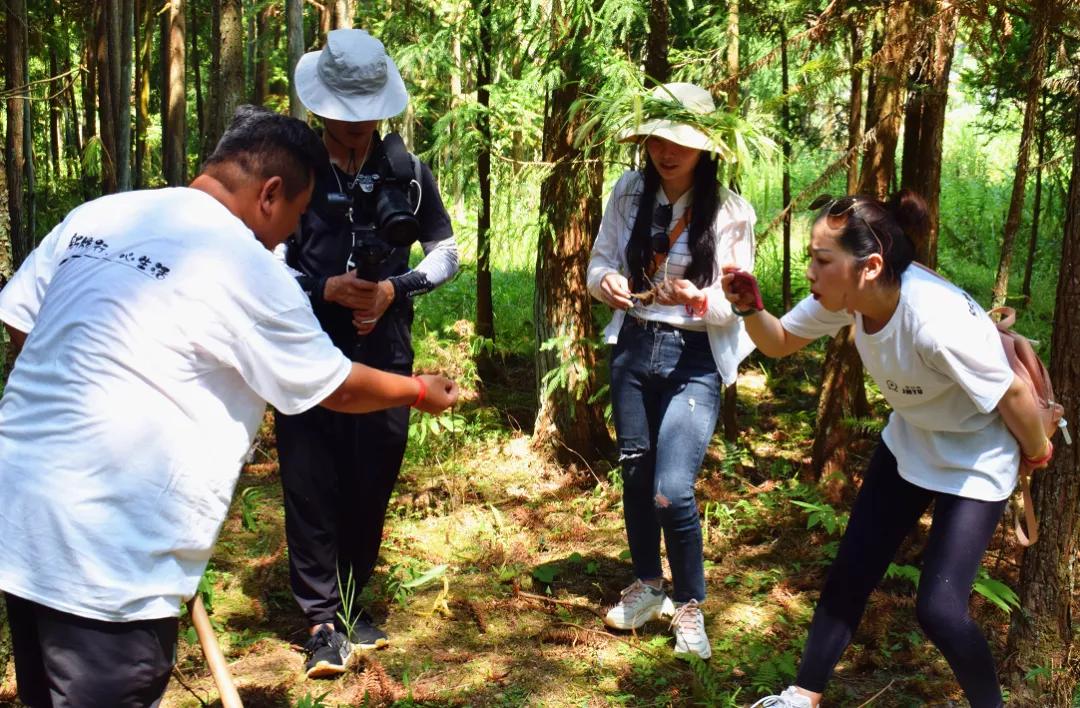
x=705, y=200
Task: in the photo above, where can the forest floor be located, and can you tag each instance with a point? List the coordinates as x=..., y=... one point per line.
x=524, y=554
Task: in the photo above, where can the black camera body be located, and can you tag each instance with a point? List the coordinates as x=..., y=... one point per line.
x=379, y=207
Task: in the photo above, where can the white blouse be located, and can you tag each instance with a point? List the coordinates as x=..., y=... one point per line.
x=733, y=228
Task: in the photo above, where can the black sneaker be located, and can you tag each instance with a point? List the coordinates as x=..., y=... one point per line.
x=328, y=654
x=366, y=635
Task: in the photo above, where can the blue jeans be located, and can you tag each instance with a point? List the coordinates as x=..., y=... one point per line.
x=665, y=394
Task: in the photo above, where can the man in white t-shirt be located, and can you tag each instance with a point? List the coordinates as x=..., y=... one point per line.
x=154, y=326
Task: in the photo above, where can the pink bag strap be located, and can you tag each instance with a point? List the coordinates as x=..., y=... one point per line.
x=1032, y=534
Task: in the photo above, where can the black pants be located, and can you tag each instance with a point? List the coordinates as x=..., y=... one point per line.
x=337, y=472
x=65, y=660
x=886, y=510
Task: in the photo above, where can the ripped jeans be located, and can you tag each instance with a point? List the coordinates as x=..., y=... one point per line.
x=665, y=394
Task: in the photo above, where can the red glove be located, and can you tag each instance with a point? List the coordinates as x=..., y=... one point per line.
x=744, y=283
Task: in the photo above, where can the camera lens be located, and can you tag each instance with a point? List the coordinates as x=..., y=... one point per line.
x=397, y=225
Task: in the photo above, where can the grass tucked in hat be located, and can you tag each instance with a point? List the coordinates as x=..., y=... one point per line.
x=683, y=113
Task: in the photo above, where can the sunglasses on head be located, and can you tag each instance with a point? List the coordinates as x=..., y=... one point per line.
x=661, y=221
x=837, y=210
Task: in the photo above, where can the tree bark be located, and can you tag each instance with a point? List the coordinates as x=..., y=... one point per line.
x=174, y=154
x=657, y=67
x=924, y=125
x=227, y=79
x=1036, y=210
x=567, y=424
x=842, y=392
x=5, y=638
x=263, y=47
x=195, y=8
x=1041, y=633
x=144, y=11
x=294, y=21
x=108, y=82
x=1036, y=62
x=855, y=133
x=733, y=54
x=122, y=104
x=879, y=160
x=15, y=157
x=55, y=98
x=343, y=14
x=785, y=146
x=89, y=90
x=485, y=311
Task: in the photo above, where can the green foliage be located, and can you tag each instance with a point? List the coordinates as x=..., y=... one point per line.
x=249, y=499
x=405, y=578
x=998, y=593
x=824, y=515
x=310, y=701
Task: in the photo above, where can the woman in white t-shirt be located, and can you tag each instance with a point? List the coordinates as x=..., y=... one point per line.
x=657, y=262
x=961, y=425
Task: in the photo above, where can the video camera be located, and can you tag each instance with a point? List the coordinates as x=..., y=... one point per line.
x=379, y=207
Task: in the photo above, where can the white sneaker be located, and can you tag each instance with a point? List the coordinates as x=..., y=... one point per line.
x=790, y=698
x=639, y=603
x=689, y=626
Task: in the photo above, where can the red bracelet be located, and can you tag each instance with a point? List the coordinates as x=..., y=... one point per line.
x=422, y=394
x=699, y=311
x=1040, y=462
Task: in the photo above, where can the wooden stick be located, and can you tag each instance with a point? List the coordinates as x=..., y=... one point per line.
x=212, y=651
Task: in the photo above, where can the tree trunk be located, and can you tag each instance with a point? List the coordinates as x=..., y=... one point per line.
x=89, y=91
x=5, y=636
x=55, y=97
x=924, y=125
x=174, y=100
x=879, y=160
x=15, y=157
x=123, y=97
x=144, y=11
x=458, y=191
x=108, y=81
x=842, y=392
x=294, y=21
x=855, y=133
x=567, y=424
x=227, y=77
x=485, y=311
x=1036, y=210
x=785, y=145
x=263, y=47
x=201, y=118
x=343, y=14
x=1036, y=62
x=733, y=55
x=657, y=67
x=1041, y=633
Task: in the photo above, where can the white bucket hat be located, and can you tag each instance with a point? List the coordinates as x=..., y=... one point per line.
x=691, y=97
x=352, y=79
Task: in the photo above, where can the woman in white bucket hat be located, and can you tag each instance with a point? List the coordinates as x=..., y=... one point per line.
x=338, y=470
x=667, y=231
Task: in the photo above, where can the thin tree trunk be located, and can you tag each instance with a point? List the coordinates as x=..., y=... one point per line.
x=456, y=100
x=855, y=133
x=1036, y=210
x=228, y=79
x=174, y=154
x=924, y=125
x=15, y=156
x=343, y=14
x=1041, y=633
x=263, y=46
x=107, y=85
x=294, y=21
x=485, y=311
x=657, y=67
x=567, y=425
x=89, y=90
x=55, y=98
x=123, y=98
x=733, y=55
x=1036, y=62
x=842, y=392
x=5, y=638
x=201, y=117
x=785, y=144
x=145, y=13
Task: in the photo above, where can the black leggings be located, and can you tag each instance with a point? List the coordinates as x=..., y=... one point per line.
x=886, y=510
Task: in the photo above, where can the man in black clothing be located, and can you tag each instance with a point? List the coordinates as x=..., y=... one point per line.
x=338, y=470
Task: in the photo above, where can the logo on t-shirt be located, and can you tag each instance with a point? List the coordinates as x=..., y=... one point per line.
x=973, y=308
x=906, y=390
